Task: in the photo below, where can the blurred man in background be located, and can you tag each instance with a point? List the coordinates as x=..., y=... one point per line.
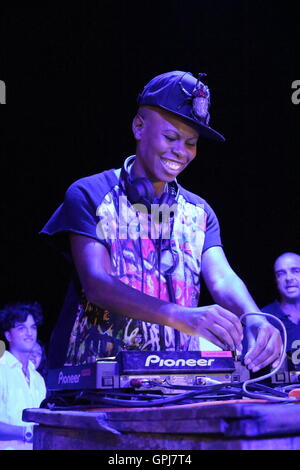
x=21, y=386
x=287, y=308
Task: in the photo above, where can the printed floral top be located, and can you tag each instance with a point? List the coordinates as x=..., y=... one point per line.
x=160, y=256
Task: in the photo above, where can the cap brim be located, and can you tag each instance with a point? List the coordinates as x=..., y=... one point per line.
x=205, y=131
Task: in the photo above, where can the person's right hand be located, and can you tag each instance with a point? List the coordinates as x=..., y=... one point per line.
x=218, y=325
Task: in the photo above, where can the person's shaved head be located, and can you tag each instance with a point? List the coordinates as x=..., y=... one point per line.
x=287, y=274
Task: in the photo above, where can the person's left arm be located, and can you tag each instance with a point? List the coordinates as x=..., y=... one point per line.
x=230, y=292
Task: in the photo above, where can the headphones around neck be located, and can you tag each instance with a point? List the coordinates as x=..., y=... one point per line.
x=141, y=190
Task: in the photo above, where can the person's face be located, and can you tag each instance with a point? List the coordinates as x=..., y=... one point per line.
x=165, y=145
x=287, y=274
x=35, y=355
x=22, y=337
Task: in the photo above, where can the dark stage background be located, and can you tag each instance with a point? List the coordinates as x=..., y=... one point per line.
x=72, y=75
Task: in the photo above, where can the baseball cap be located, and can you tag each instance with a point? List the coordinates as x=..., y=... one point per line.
x=184, y=95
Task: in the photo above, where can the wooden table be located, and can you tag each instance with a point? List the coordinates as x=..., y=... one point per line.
x=230, y=425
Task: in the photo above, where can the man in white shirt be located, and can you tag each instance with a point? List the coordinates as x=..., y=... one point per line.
x=21, y=386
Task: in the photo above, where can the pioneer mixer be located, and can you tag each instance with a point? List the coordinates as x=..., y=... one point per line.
x=151, y=370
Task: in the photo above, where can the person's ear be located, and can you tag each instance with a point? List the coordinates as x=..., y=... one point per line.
x=138, y=124
x=7, y=336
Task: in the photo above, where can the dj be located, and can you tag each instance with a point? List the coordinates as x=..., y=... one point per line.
x=139, y=241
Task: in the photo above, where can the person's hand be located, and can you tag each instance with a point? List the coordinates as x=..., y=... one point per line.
x=264, y=343
x=218, y=325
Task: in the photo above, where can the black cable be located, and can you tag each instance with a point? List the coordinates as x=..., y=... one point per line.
x=56, y=402
x=254, y=387
x=223, y=391
x=137, y=403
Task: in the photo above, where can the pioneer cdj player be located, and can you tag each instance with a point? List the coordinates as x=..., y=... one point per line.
x=289, y=372
x=150, y=370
